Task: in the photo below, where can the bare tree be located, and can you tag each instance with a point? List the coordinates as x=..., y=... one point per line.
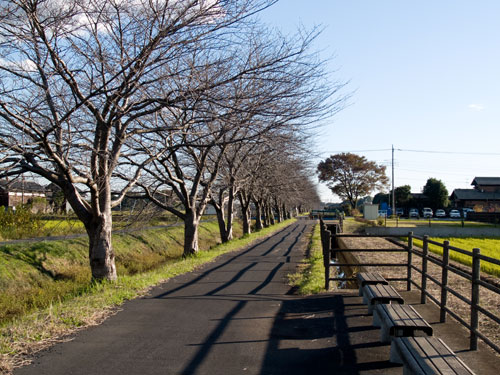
x=80, y=79
x=269, y=85
x=279, y=180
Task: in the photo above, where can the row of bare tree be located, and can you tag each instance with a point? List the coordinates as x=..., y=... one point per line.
x=193, y=102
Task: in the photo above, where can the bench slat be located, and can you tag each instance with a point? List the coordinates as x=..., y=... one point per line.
x=369, y=278
x=430, y=359
x=407, y=315
x=450, y=359
x=399, y=321
x=376, y=294
x=427, y=355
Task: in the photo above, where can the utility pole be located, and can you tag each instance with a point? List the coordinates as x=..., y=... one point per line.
x=393, y=193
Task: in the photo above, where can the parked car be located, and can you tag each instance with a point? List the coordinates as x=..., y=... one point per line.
x=413, y=213
x=427, y=212
x=400, y=212
x=440, y=213
x=455, y=214
x=382, y=213
x=466, y=211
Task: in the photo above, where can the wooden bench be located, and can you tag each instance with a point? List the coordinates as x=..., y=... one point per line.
x=380, y=293
x=426, y=355
x=399, y=321
x=369, y=278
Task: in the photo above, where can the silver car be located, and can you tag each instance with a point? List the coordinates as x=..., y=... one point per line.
x=413, y=213
x=427, y=212
x=440, y=213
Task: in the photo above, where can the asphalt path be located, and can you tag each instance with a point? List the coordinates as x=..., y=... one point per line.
x=238, y=315
x=235, y=315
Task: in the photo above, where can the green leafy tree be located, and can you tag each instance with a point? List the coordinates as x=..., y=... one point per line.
x=381, y=198
x=402, y=195
x=351, y=176
x=436, y=193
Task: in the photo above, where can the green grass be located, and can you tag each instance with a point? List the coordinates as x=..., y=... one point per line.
x=311, y=277
x=47, y=286
x=25, y=224
x=60, y=227
x=33, y=276
x=490, y=246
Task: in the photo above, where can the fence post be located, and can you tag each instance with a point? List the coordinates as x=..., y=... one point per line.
x=444, y=281
x=325, y=242
x=333, y=241
x=476, y=278
x=410, y=253
x=423, y=284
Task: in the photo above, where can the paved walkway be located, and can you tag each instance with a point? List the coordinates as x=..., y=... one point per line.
x=233, y=316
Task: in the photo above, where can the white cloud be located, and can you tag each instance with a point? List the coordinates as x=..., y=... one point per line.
x=476, y=107
x=20, y=66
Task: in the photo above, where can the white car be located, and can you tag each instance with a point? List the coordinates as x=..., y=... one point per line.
x=440, y=213
x=427, y=212
x=413, y=213
x=455, y=214
x=466, y=211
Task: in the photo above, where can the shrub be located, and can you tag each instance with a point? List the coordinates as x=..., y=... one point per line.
x=19, y=223
x=365, y=221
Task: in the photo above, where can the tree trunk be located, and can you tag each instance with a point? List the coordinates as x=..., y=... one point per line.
x=230, y=215
x=245, y=212
x=269, y=214
x=101, y=254
x=286, y=213
x=191, y=222
x=246, y=220
x=258, y=218
x=265, y=211
x=279, y=213
x=222, y=223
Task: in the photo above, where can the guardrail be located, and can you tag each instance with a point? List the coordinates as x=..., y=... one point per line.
x=474, y=276
x=329, y=236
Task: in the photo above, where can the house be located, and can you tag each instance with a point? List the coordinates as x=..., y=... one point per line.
x=17, y=192
x=484, y=197
x=56, y=199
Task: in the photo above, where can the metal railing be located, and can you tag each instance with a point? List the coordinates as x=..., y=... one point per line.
x=329, y=239
x=473, y=275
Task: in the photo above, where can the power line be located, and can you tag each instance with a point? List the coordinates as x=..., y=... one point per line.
x=419, y=151
x=449, y=152
x=354, y=151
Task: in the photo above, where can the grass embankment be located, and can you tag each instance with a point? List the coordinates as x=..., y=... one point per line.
x=490, y=246
x=46, y=288
x=310, y=279
x=24, y=224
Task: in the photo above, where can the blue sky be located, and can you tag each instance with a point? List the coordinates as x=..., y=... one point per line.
x=425, y=76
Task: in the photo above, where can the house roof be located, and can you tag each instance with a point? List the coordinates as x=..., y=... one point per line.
x=485, y=181
x=27, y=186
x=418, y=196
x=473, y=194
